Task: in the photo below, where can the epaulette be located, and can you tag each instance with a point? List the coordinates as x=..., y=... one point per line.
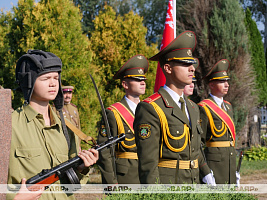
x=227, y=102
x=73, y=105
x=201, y=104
x=152, y=98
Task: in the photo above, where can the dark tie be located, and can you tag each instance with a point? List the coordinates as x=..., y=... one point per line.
x=181, y=100
x=222, y=106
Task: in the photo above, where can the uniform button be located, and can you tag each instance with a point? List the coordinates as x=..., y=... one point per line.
x=192, y=136
x=128, y=131
x=230, y=136
x=231, y=153
x=30, y=155
x=193, y=149
x=177, y=132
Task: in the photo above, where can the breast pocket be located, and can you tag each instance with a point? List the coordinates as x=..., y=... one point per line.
x=177, y=136
x=29, y=161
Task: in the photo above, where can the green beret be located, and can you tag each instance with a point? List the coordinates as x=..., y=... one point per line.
x=180, y=49
x=219, y=71
x=135, y=67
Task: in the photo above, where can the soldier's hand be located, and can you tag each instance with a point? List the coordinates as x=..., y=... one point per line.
x=24, y=193
x=89, y=158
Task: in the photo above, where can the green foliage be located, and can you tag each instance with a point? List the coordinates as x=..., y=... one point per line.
x=253, y=167
x=182, y=196
x=256, y=153
x=240, y=115
x=114, y=41
x=257, y=57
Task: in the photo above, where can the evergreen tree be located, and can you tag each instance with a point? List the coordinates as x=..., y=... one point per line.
x=221, y=33
x=114, y=41
x=54, y=26
x=257, y=57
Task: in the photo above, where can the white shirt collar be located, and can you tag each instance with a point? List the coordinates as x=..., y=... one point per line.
x=218, y=100
x=174, y=95
x=131, y=104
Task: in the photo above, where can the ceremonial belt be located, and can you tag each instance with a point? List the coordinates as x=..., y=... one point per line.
x=128, y=155
x=221, y=114
x=183, y=164
x=125, y=114
x=220, y=144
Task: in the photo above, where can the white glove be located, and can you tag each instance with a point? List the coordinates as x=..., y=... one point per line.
x=237, y=178
x=209, y=179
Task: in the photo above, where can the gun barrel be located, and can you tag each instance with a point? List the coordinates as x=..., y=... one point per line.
x=49, y=176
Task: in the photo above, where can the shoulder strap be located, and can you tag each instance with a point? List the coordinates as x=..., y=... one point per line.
x=125, y=114
x=221, y=114
x=152, y=98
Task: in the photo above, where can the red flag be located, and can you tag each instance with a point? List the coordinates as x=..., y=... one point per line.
x=167, y=37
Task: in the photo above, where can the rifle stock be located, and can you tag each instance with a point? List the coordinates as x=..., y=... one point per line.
x=49, y=176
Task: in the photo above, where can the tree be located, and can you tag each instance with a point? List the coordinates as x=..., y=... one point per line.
x=152, y=11
x=116, y=39
x=259, y=11
x=256, y=50
x=221, y=33
x=54, y=26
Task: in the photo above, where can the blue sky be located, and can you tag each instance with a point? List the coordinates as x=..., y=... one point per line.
x=7, y=5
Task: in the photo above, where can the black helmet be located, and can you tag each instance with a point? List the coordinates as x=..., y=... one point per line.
x=32, y=65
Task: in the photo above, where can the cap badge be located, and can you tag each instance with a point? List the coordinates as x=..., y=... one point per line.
x=189, y=34
x=140, y=71
x=140, y=57
x=224, y=73
x=189, y=52
x=224, y=61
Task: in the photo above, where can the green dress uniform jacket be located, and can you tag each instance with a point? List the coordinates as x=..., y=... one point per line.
x=35, y=146
x=221, y=160
x=149, y=142
x=70, y=112
x=126, y=169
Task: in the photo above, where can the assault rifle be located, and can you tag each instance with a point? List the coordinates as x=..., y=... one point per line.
x=49, y=176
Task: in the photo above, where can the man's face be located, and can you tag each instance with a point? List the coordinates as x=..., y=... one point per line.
x=219, y=88
x=134, y=87
x=46, y=87
x=189, y=89
x=67, y=96
x=179, y=74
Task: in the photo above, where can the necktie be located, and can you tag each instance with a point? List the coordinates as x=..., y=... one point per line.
x=222, y=106
x=181, y=100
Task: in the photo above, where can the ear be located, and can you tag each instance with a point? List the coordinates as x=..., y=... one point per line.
x=211, y=84
x=167, y=68
x=124, y=84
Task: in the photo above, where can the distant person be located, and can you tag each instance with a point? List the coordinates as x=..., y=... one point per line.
x=189, y=89
x=39, y=140
x=70, y=110
x=218, y=126
x=120, y=116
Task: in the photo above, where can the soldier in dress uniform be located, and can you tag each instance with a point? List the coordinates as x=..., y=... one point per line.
x=217, y=123
x=70, y=110
x=120, y=117
x=167, y=126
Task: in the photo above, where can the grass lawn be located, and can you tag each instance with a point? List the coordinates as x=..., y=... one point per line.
x=250, y=167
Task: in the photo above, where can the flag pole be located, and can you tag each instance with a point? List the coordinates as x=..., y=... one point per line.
x=174, y=17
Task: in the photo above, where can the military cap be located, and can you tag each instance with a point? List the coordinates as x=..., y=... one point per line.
x=195, y=66
x=180, y=49
x=135, y=67
x=219, y=71
x=67, y=88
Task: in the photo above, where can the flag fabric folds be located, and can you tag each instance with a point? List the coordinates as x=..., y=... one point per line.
x=167, y=37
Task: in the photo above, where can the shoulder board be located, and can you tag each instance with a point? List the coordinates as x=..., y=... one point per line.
x=191, y=102
x=201, y=104
x=152, y=98
x=73, y=105
x=111, y=108
x=227, y=102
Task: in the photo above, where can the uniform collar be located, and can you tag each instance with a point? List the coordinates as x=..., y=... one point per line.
x=131, y=104
x=31, y=114
x=173, y=95
x=217, y=100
